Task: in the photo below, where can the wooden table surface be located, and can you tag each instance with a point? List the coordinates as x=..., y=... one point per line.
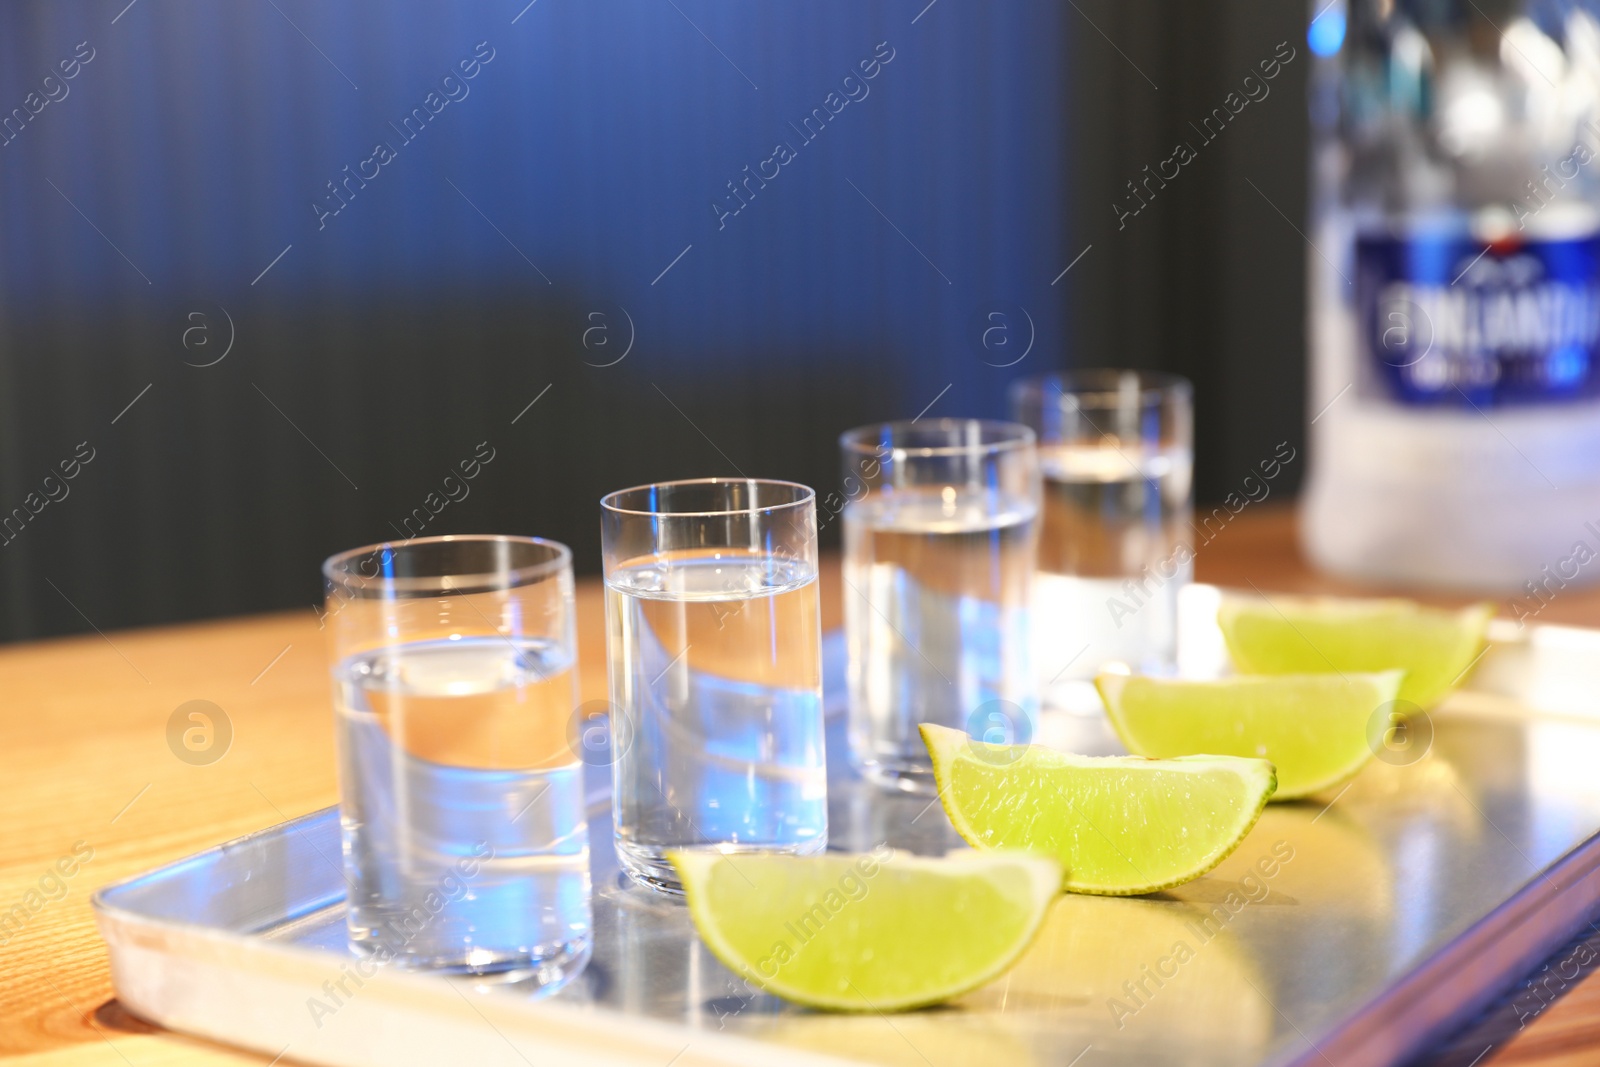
x=83, y=744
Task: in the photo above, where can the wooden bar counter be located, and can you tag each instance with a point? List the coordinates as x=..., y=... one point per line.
x=94, y=792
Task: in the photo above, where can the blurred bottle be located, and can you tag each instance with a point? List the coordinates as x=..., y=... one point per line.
x=1454, y=288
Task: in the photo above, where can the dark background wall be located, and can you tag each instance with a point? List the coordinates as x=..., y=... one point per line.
x=1208, y=279
x=300, y=381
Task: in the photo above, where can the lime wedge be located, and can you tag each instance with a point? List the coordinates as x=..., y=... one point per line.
x=882, y=931
x=1120, y=825
x=1313, y=727
x=1309, y=635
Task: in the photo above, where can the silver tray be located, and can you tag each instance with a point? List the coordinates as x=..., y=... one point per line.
x=1353, y=931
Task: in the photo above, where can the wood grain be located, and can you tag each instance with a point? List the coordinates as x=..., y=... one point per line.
x=1566, y=1034
x=83, y=733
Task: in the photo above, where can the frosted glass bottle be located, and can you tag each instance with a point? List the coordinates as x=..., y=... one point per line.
x=1454, y=291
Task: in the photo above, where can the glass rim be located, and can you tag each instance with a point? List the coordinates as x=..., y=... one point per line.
x=805, y=495
x=1009, y=436
x=335, y=568
x=1099, y=385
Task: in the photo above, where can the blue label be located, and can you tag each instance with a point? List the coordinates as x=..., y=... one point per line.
x=1454, y=321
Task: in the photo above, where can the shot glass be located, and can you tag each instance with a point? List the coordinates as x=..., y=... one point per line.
x=939, y=538
x=466, y=847
x=1116, y=449
x=714, y=644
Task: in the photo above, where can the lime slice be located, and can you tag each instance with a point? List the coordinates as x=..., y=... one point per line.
x=1313, y=727
x=883, y=931
x=1309, y=635
x=1120, y=825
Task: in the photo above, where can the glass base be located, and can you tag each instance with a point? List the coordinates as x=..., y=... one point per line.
x=540, y=971
x=1075, y=696
x=648, y=864
x=901, y=776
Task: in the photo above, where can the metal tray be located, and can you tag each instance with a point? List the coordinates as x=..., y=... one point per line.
x=1354, y=930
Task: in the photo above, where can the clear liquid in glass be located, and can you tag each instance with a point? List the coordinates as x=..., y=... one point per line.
x=937, y=602
x=716, y=681
x=1113, y=552
x=463, y=824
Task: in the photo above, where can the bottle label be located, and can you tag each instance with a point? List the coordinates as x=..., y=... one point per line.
x=1452, y=321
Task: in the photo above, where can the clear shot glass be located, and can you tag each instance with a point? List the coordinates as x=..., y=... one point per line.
x=1116, y=449
x=939, y=540
x=466, y=847
x=714, y=643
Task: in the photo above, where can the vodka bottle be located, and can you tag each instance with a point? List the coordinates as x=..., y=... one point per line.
x=1454, y=290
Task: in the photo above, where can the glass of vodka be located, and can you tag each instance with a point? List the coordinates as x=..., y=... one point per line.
x=939, y=542
x=714, y=644
x=1116, y=450
x=466, y=847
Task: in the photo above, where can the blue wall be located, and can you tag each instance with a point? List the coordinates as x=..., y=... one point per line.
x=561, y=181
